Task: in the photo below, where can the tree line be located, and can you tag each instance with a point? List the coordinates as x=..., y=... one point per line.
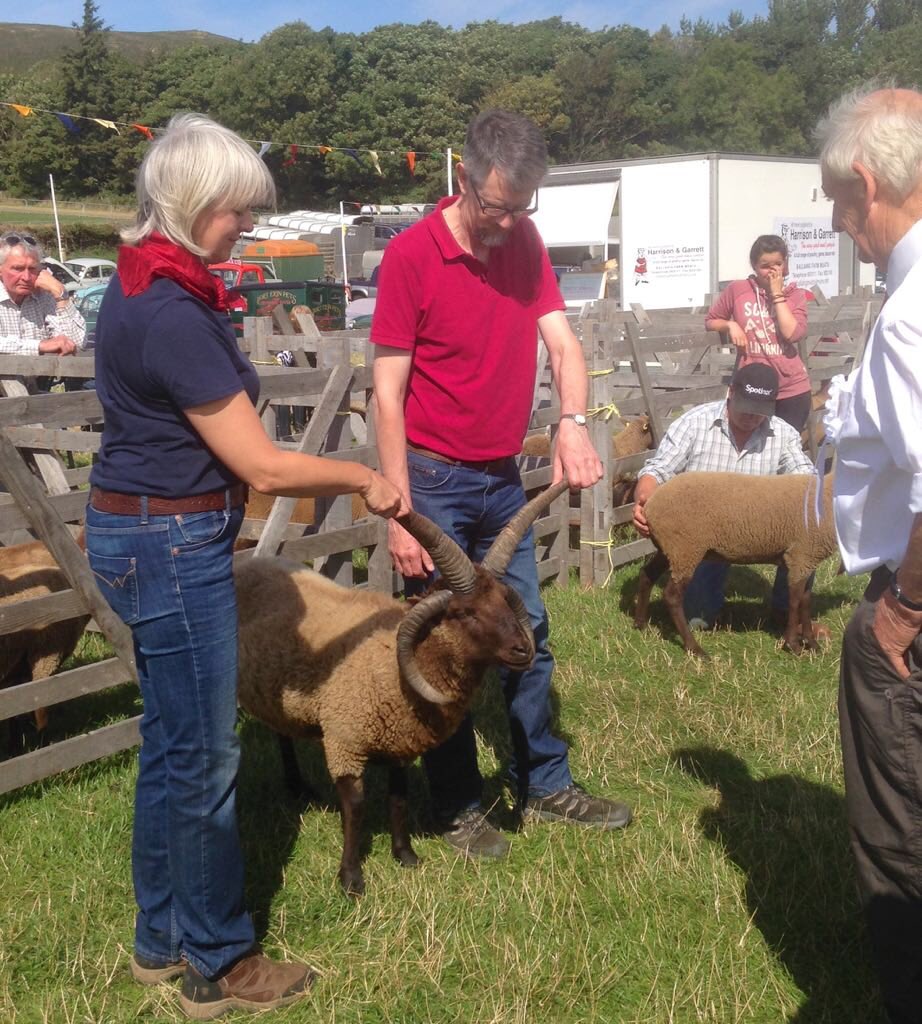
x=741, y=86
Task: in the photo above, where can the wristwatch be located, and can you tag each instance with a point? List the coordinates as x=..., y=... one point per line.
x=578, y=418
x=896, y=590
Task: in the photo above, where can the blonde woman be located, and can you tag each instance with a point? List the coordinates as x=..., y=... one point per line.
x=181, y=442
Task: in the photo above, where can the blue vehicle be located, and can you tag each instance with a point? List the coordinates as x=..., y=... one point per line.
x=88, y=301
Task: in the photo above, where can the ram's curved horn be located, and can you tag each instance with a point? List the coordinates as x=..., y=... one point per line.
x=497, y=559
x=515, y=602
x=407, y=634
x=454, y=565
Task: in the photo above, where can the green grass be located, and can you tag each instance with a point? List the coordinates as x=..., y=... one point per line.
x=729, y=899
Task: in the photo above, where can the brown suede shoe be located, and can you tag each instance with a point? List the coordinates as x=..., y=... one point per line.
x=152, y=972
x=254, y=982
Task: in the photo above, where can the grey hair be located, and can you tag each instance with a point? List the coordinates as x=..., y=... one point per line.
x=6, y=247
x=872, y=126
x=508, y=143
x=195, y=165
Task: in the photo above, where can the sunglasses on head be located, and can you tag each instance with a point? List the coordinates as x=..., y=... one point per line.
x=13, y=239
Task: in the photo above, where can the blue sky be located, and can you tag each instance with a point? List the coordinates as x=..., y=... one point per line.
x=241, y=19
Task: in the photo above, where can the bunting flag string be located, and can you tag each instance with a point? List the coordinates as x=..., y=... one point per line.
x=71, y=123
x=68, y=123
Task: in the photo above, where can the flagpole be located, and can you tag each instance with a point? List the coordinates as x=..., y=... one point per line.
x=57, y=226
x=448, y=170
x=342, y=238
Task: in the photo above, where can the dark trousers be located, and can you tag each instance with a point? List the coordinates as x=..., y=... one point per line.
x=794, y=410
x=880, y=717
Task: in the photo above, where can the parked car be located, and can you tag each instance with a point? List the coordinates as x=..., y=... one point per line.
x=88, y=301
x=234, y=273
x=63, y=273
x=90, y=270
x=364, y=287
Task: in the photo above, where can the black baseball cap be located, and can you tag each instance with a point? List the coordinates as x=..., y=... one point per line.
x=755, y=389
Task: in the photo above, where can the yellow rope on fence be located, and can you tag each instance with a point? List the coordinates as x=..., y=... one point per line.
x=609, y=544
x=605, y=411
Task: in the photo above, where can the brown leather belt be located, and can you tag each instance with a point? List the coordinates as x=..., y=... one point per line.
x=130, y=504
x=489, y=466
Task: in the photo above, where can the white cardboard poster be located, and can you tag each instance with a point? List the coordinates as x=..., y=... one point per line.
x=665, y=234
x=814, y=249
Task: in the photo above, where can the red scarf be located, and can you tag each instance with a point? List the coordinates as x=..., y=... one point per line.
x=157, y=256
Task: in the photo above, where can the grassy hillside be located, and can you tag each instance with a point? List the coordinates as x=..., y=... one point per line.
x=21, y=46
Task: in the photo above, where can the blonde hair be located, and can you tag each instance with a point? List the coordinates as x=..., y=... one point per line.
x=878, y=127
x=195, y=165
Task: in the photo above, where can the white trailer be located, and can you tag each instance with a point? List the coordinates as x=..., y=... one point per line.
x=681, y=227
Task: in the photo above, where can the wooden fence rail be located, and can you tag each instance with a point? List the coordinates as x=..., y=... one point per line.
x=655, y=364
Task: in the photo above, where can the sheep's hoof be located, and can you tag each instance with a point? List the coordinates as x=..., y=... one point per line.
x=793, y=646
x=640, y=623
x=697, y=652
x=406, y=857
x=352, y=882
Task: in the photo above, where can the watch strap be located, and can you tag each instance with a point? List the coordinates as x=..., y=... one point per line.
x=896, y=590
x=577, y=417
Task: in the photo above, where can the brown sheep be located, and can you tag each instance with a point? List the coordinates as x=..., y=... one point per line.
x=632, y=438
x=28, y=571
x=374, y=677
x=259, y=506
x=740, y=519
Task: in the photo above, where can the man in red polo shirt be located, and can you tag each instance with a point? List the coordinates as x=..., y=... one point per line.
x=462, y=297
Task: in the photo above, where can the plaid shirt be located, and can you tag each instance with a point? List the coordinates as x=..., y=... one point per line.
x=23, y=327
x=700, y=440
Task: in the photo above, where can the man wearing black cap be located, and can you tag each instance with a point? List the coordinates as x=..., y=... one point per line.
x=739, y=434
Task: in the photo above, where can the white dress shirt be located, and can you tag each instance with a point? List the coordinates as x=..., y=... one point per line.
x=23, y=327
x=878, y=417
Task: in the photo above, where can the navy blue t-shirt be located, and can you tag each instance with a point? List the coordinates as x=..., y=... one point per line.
x=158, y=353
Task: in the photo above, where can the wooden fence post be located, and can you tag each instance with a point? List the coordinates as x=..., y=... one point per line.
x=50, y=528
x=595, y=506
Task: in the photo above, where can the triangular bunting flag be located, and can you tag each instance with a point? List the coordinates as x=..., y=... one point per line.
x=411, y=161
x=264, y=148
x=145, y=131
x=374, y=159
x=354, y=154
x=68, y=123
x=325, y=149
x=21, y=110
x=111, y=125
x=293, y=152
x=456, y=157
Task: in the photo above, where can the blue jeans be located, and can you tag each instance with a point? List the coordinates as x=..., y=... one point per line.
x=169, y=578
x=472, y=507
x=704, y=596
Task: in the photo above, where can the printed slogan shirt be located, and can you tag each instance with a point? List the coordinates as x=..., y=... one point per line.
x=746, y=303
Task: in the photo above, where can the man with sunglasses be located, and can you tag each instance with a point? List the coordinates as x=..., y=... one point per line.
x=37, y=315
x=462, y=298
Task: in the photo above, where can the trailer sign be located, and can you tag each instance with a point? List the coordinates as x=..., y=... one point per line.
x=814, y=249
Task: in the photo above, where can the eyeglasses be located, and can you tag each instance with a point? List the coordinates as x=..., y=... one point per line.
x=12, y=239
x=498, y=212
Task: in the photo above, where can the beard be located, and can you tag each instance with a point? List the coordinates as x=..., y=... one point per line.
x=493, y=238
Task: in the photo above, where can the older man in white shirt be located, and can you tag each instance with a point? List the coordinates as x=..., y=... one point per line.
x=872, y=170
x=37, y=315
